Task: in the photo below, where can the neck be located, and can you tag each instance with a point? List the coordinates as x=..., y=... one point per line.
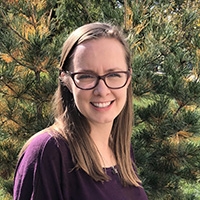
x=100, y=135
x=106, y=158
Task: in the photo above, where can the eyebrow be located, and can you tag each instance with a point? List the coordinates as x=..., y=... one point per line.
x=107, y=71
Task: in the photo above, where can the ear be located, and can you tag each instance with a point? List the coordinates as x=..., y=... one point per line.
x=64, y=78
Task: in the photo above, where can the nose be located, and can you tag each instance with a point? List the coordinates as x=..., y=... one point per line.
x=101, y=89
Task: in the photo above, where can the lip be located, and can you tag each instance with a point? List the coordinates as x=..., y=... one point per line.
x=102, y=105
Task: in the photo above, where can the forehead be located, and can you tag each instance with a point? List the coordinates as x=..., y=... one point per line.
x=101, y=44
x=100, y=52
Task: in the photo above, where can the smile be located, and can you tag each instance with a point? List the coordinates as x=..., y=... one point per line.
x=102, y=105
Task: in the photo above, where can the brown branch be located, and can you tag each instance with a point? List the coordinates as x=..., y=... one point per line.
x=7, y=23
x=179, y=108
x=9, y=86
x=87, y=12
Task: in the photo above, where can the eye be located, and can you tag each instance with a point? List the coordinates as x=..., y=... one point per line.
x=84, y=76
x=114, y=75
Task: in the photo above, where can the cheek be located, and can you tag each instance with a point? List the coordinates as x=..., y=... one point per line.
x=70, y=84
x=122, y=97
x=125, y=94
x=80, y=97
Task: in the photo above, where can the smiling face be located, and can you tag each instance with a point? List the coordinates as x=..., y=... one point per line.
x=99, y=105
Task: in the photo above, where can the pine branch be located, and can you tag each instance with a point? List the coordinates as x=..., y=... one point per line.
x=7, y=85
x=7, y=23
x=86, y=11
x=16, y=60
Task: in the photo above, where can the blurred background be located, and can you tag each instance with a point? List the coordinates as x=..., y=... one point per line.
x=164, y=39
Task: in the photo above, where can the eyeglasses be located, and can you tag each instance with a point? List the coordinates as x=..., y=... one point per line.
x=89, y=80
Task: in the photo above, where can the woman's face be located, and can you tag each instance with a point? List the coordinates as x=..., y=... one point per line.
x=99, y=105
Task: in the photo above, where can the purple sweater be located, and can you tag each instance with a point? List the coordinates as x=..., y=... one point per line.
x=44, y=173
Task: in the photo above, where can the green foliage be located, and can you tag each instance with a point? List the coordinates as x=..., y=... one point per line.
x=6, y=189
x=191, y=191
x=166, y=89
x=8, y=154
x=164, y=38
x=72, y=14
x=29, y=54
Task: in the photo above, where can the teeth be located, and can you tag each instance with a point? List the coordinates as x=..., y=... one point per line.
x=102, y=105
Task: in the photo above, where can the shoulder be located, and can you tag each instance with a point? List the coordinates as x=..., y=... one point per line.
x=38, y=171
x=42, y=140
x=44, y=143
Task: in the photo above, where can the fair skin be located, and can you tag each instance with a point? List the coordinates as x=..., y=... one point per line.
x=100, y=105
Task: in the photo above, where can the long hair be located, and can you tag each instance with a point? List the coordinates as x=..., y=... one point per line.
x=74, y=127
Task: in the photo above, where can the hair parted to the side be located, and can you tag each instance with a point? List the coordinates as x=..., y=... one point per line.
x=74, y=127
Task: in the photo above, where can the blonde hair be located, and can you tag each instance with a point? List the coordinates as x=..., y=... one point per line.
x=74, y=127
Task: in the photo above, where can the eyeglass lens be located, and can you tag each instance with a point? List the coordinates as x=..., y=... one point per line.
x=112, y=80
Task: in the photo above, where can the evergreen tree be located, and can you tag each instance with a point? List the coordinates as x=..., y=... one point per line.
x=31, y=36
x=164, y=41
x=28, y=75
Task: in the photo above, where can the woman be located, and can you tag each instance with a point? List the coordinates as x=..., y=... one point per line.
x=86, y=154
